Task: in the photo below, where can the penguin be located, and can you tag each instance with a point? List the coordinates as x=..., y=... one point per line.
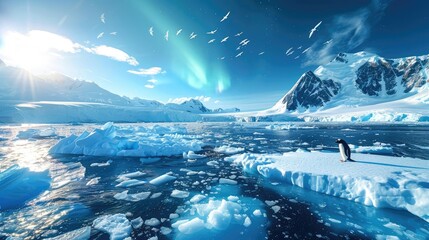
x=344, y=150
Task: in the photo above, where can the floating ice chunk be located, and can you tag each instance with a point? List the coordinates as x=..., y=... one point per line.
x=271, y=203
x=192, y=155
x=156, y=195
x=137, y=223
x=117, y=225
x=122, y=141
x=165, y=230
x=220, y=218
x=131, y=197
x=78, y=234
x=173, y=215
x=228, y=150
x=101, y=164
x=37, y=133
x=152, y=222
x=197, y=198
x=163, y=179
x=247, y=222
x=378, y=148
x=132, y=175
x=213, y=163
x=130, y=183
x=227, y=181
x=153, y=238
x=179, y=194
x=275, y=208
x=233, y=198
x=192, y=226
x=149, y=160
x=93, y=181
x=257, y=213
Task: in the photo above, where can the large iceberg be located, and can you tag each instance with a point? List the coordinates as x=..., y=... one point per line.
x=373, y=180
x=111, y=140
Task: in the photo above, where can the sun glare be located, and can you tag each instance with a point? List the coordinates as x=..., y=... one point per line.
x=34, y=51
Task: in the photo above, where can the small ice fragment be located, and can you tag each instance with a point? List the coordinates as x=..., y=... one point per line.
x=132, y=175
x=163, y=179
x=137, y=222
x=130, y=183
x=152, y=222
x=155, y=195
x=197, y=198
x=179, y=194
x=227, y=181
x=165, y=230
x=247, y=222
x=275, y=208
x=93, y=181
x=193, y=226
x=257, y=213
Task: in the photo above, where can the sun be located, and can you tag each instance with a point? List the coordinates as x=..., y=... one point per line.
x=31, y=52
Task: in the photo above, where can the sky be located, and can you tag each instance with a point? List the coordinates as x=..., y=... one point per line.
x=226, y=53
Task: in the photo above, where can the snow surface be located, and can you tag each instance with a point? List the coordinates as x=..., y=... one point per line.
x=111, y=140
x=117, y=225
x=373, y=180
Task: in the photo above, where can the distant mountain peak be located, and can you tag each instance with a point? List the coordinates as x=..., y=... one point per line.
x=356, y=79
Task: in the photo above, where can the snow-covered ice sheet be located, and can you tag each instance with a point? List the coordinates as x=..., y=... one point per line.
x=373, y=180
x=111, y=140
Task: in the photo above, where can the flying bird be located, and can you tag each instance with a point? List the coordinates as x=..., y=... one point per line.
x=113, y=33
x=224, y=39
x=314, y=29
x=102, y=18
x=328, y=42
x=296, y=57
x=178, y=32
x=166, y=36
x=222, y=58
x=238, y=55
x=299, y=47
x=151, y=31
x=212, y=32
x=305, y=50
x=192, y=36
x=261, y=53
x=100, y=35
x=238, y=34
x=245, y=42
x=211, y=40
x=288, y=51
x=225, y=17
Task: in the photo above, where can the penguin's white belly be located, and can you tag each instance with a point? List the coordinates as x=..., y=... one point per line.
x=342, y=152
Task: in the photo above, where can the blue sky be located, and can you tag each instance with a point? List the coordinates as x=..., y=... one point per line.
x=109, y=42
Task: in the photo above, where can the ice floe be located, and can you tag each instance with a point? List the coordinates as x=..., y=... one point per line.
x=373, y=180
x=132, y=197
x=111, y=140
x=179, y=194
x=37, y=133
x=228, y=149
x=163, y=179
x=116, y=225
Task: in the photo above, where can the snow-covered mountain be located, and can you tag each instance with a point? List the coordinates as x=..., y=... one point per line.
x=54, y=97
x=361, y=85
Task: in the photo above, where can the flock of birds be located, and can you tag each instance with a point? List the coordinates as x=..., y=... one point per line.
x=243, y=43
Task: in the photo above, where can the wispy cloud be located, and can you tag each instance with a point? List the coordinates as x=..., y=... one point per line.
x=150, y=86
x=347, y=32
x=113, y=53
x=203, y=99
x=152, y=80
x=17, y=46
x=148, y=71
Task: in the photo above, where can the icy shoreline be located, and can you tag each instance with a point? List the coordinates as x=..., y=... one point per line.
x=378, y=181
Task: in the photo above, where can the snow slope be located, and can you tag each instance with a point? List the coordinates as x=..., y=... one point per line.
x=373, y=180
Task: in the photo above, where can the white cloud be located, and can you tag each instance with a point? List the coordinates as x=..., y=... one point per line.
x=347, y=32
x=152, y=80
x=203, y=99
x=149, y=86
x=217, y=101
x=113, y=53
x=149, y=71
